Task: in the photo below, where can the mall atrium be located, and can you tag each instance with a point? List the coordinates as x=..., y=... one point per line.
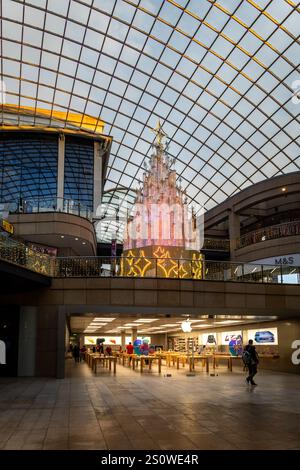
x=150, y=224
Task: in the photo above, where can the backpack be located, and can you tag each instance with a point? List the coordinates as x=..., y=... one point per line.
x=246, y=357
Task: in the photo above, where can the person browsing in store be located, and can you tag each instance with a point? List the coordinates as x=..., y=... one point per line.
x=251, y=360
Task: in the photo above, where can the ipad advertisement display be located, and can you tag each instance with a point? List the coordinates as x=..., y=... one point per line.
x=264, y=336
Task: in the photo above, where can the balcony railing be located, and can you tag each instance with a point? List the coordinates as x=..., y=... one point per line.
x=216, y=244
x=38, y=205
x=175, y=269
x=18, y=253
x=15, y=252
x=270, y=233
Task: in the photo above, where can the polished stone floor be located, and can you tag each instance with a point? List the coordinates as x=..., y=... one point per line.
x=130, y=411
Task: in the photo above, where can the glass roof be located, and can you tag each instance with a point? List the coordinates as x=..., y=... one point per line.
x=220, y=75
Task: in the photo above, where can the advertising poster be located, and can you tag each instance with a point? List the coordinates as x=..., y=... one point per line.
x=209, y=339
x=264, y=336
x=112, y=340
x=234, y=340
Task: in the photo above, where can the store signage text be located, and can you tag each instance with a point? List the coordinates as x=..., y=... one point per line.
x=296, y=353
x=290, y=260
x=2, y=352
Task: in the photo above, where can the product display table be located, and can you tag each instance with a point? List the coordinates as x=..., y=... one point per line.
x=92, y=360
x=107, y=361
x=204, y=358
x=228, y=357
x=144, y=360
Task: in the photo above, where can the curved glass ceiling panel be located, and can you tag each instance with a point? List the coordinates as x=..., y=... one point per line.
x=219, y=74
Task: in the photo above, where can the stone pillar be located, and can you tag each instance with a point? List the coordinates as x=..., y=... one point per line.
x=166, y=342
x=123, y=339
x=27, y=342
x=50, y=341
x=134, y=334
x=60, y=172
x=245, y=337
x=60, y=350
x=234, y=232
x=98, y=154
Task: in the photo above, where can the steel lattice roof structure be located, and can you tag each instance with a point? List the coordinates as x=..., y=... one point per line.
x=221, y=75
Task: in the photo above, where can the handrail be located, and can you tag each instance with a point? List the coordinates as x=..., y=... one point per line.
x=270, y=233
x=171, y=268
x=218, y=244
x=18, y=253
x=35, y=205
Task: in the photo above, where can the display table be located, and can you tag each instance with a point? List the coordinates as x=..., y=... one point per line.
x=107, y=361
x=228, y=357
x=142, y=359
x=204, y=358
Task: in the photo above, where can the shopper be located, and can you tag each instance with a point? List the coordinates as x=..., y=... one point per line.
x=82, y=352
x=108, y=351
x=129, y=348
x=251, y=360
x=76, y=353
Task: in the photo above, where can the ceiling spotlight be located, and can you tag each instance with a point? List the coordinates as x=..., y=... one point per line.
x=76, y=238
x=84, y=243
x=283, y=189
x=62, y=236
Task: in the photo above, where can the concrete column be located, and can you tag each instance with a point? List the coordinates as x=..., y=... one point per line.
x=60, y=172
x=123, y=339
x=98, y=154
x=245, y=337
x=61, y=335
x=234, y=232
x=134, y=334
x=220, y=347
x=166, y=342
x=27, y=342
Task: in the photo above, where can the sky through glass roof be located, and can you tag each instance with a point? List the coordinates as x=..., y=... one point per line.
x=219, y=74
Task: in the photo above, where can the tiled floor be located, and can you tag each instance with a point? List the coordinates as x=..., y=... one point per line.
x=131, y=411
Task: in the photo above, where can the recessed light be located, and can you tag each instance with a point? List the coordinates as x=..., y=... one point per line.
x=103, y=319
x=62, y=236
x=283, y=189
x=145, y=320
x=76, y=239
x=84, y=243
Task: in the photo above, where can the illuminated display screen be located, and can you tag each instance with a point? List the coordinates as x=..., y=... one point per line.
x=266, y=336
x=112, y=340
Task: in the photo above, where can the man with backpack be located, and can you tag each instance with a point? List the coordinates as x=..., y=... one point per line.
x=250, y=358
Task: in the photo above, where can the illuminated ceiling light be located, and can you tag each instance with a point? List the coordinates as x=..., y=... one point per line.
x=84, y=243
x=145, y=320
x=225, y=322
x=76, y=238
x=62, y=236
x=133, y=324
x=103, y=319
x=283, y=189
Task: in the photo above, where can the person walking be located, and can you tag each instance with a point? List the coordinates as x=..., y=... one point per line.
x=76, y=353
x=251, y=360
